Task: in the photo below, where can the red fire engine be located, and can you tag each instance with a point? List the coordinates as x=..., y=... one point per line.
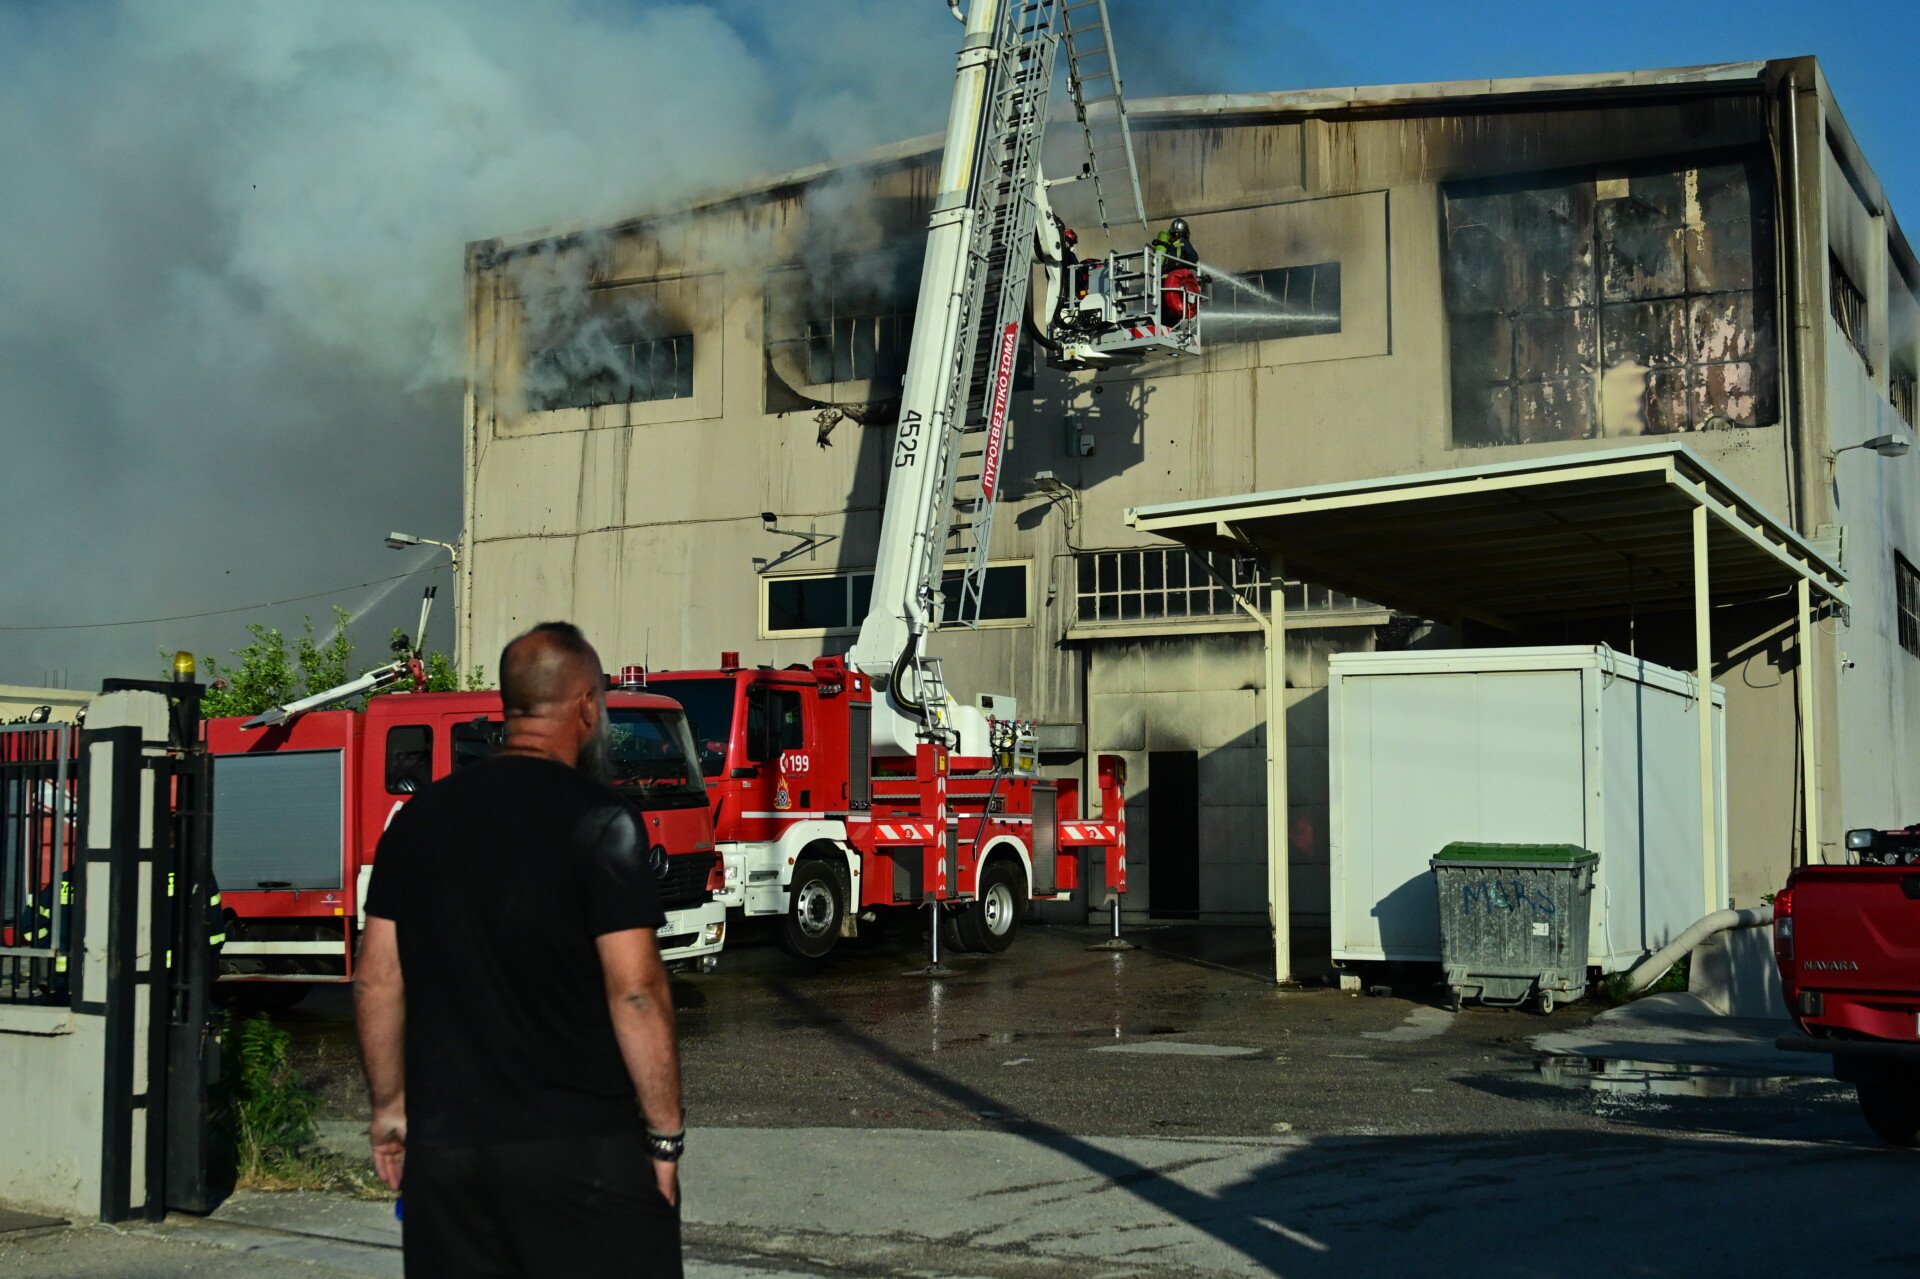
x=301, y=795
x=816, y=829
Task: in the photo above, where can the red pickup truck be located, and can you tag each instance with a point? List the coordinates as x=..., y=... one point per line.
x=1847, y=939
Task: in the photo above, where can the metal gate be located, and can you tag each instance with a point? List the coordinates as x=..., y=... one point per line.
x=105, y=878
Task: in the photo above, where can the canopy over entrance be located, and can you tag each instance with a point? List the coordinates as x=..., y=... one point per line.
x=1594, y=535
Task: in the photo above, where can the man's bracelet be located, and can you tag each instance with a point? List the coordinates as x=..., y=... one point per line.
x=667, y=1147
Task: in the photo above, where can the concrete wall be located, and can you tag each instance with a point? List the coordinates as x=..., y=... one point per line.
x=641, y=521
x=53, y=1062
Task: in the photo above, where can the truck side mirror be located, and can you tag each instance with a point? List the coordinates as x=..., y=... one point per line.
x=1859, y=841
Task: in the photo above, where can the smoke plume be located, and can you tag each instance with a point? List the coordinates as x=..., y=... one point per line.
x=230, y=293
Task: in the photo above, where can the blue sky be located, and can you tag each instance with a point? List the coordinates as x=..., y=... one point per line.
x=1871, y=51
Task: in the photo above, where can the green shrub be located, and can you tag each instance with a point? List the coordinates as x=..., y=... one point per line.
x=271, y=1110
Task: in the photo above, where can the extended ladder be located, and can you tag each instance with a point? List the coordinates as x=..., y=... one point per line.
x=1001, y=262
x=1093, y=76
x=1033, y=32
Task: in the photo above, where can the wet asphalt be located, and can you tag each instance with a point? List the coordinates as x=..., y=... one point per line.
x=1183, y=1037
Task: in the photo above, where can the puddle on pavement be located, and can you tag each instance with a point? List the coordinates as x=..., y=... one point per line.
x=1621, y=1076
x=1109, y=1033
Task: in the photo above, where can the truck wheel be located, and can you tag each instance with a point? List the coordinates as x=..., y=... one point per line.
x=1890, y=1102
x=816, y=903
x=951, y=935
x=988, y=923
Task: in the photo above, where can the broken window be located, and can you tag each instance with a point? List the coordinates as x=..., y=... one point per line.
x=1907, y=589
x=1279, y=302
x=614, y=345
x=1152, y=584
x=1904, y=391
x=1849, y=306
x=848, y=319
x=1581, y=306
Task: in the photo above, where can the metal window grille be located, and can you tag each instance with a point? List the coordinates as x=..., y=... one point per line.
x=39, y=824
x=1171, y=584
x=1907, y=590
x=629, y=371
x=1904, y=391
x=848, y=320
x=1848, y=304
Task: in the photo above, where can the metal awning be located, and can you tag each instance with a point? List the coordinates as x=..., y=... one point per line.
x=1604, y=534
x=1591, y=535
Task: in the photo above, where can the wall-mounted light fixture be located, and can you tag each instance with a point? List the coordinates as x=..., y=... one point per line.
x=1884, y=445
x=806, y=542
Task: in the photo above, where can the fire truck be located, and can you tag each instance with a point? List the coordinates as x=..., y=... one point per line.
x=861, y=783
x=302, y=793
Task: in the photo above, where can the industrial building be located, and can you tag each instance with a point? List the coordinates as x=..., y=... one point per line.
x=676, y=426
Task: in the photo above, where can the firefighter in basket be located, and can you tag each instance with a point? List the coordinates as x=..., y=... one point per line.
x=1180, y=277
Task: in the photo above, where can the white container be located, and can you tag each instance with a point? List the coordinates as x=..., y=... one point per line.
x=1562, y=745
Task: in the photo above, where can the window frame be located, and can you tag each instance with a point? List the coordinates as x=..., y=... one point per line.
x=1583, y=300
x=480, y=728
x=391, y=777
x=1906, y=603
x=852, y=626
x=1849, y=309
x=1225, y=301
x=1307, y=604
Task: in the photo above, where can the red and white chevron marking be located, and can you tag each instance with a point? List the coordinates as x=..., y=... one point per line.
x=908, y=832
x=1089, y=833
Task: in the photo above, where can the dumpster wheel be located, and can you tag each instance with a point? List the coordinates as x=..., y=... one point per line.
x=1543, y=1003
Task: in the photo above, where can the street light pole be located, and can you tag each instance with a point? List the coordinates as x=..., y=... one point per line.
x=401, y=541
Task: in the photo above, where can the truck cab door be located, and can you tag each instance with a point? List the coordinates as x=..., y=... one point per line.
x=779, y=749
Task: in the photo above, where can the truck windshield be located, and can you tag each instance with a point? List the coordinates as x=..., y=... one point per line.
x=653, y=758
x=709, y=706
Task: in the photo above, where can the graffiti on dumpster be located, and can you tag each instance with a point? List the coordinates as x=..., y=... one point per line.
x=1511, y=896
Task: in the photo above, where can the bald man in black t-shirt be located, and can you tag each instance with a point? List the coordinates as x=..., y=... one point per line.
x=514, y=1016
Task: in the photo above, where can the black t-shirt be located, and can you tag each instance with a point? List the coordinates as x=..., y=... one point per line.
x=498, y=879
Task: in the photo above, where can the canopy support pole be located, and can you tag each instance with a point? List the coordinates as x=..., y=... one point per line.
x=1809, y=764
x=1703, y=674
x=1279, y=890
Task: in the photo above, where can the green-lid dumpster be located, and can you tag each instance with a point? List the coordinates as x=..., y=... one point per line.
x=1513, y=922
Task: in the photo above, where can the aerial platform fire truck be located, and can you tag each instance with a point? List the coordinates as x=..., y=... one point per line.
x=302, y=794
x=858, y=784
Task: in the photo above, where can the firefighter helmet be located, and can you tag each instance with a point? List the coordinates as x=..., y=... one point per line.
x=1178, y=227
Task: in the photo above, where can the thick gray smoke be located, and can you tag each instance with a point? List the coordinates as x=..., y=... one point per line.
x=230, y=290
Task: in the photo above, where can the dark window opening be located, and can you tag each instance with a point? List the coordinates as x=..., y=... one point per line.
x=1907, y=591
x=841, y=602
x=1581, y=307
x=611, y=345
x=850, y=320
x=476, y=740
x=774, y=723
x=653, y=758
x=1003, y=594
x=1904, y=392
x=709, y=707
x=1173, y=834
x=1849, y=306
x=1279, y=302
x=409, y=759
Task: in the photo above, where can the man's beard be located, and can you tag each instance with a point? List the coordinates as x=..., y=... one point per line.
x=596, y=753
